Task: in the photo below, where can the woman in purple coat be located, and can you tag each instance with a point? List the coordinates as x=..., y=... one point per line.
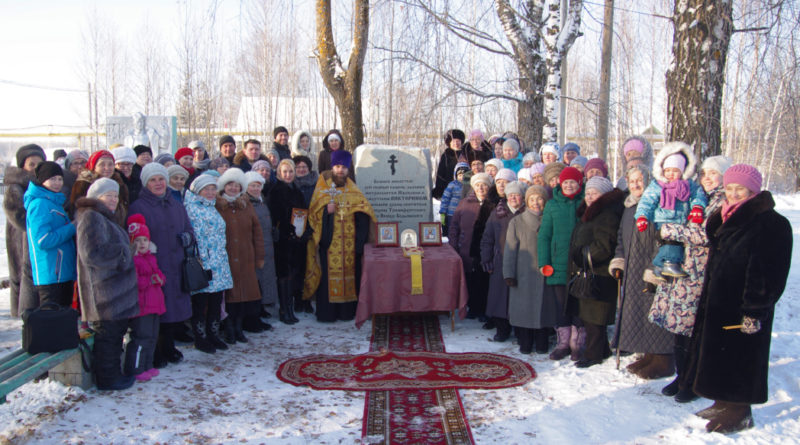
x=168, y=221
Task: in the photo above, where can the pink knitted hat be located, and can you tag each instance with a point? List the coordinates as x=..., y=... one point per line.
x=745, y=175
x=633, y=144
x=597, y=163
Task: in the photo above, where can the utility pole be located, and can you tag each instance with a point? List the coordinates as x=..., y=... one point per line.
x=605, y=80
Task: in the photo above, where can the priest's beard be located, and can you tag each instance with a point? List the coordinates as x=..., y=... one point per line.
x=338, y=180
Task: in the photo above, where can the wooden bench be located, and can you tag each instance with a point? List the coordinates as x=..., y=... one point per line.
x=19, y=368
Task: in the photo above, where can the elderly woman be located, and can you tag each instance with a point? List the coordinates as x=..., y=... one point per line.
x=479, y=146
x=748, y=264
x=595, y=167
x=464, y=234
x=177, y=181
x=675, y=304
x=634, y=332
x=169, y=223
x=635, y=150
x=107, y=281
x=493, y=242
x=529, y=159
x=101, y=165
x=512, y=158
x=74, y=164
x=267, y=281
x=125, y=160
x=549, y=153
x=245, y=246
x=455, y=151
x=591, y=249
x=290, y=249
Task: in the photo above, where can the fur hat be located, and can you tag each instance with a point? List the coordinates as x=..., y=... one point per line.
x=137, y=226
x=524, y=173
x=745, y=175
x=341, y=157
x=227, y=139
x=537, y=169
x=507, y=174
x=153, y=169
x=27, y=151
x=202, y=181
x=96, y=157
x=175, y=170
x=497, y=163
x=47, y=170
x=537, y=190
x=139, y=149
x=570, y=173
x=512, y=144
x=233, y=174
x=253, y=177
x=101, y=186
x=453, y=134
x=124, y=154
x=598, y=164
x=480, y=177
x=553, y=170
x=549, y=147
x=515, y=187
x=599, y=183
x=530, y=156
x=579, y=160
x=716, y=163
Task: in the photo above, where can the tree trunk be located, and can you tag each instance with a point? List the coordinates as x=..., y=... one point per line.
x=530, y=117
x=344, y=83
x=695, y=81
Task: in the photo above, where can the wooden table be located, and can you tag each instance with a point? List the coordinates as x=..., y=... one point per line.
x=386, y=283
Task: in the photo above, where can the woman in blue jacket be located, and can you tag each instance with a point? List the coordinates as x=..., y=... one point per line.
x=51, y=238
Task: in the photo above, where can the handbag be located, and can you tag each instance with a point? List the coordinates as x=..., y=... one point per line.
x=193, y=276
x=582, y=284
x=49, y=328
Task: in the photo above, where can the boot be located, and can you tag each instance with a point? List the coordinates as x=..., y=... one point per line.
x=307, y=308
x=119, y=383
x=283, y=301
x=686, y=395
x=293, y=290
x=213, y=333
x=673, y=270
x=212, y=322
x=239, y=332
x=662, y=365
x=562, y=347
x=201, y=340
x=672, y=388
x=577, y=342
x=733, y=417
x=710, y=412
x=230, y=333
x=542, y=341
x=641, y=363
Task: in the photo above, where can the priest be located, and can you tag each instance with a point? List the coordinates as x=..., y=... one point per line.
x=341, y=219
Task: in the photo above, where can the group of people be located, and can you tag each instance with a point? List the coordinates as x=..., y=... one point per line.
x=109, y=234
x=687, y=267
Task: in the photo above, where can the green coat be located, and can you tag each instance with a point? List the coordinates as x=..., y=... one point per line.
x=558, y=220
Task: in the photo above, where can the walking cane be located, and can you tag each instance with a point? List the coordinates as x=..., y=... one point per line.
x=619, y=303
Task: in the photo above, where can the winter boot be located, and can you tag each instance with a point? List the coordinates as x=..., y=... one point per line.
x=295, y=293
x=230, y=332
x=542, y=340
x=673, y=270
x=119, y=383
x=662, y=365
x=284, y=302
x=710, y=412
x=641, y=363
x=733, y=417
x=562, y=347
x=672, y=388
x=212, y=322
x=577, y=342
x=238, y=321
x=201, y=340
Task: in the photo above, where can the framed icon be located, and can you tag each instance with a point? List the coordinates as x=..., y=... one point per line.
x=430, y=234
x=408, y=238
x=299, y=221
x=387, y=235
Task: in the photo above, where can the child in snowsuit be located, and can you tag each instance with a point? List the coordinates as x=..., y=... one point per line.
x=452, y=195
x=144, y=327
x=672, y=197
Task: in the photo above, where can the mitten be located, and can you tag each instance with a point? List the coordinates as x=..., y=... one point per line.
x=511, y=282
x=750, y=325
x=696, y=215
x=155, y=279
x=641, y=224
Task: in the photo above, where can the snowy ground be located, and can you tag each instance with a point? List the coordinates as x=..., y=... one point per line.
x=234, y=396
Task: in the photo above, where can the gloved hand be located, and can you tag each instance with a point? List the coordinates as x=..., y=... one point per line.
x=641, y=224
x=750, y=325
x=546, y=270
x=487, y=267
x=155, y=279
x=696, y=215
x=511, y=282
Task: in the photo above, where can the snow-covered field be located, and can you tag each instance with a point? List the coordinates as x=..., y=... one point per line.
x=234, y=396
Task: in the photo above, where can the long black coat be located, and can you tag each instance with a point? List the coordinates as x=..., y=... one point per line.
x=447, y=163
x=597, y=231
x=290, y=251
x=748, y=264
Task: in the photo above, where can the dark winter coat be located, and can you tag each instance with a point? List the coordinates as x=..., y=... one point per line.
x=307, y=184
x=133, y=184
x=167, y=219
x=245, y=246
x=16, y=182
x=528, y=305
x=290, y=251
x=634, y=332
x=107, y=281
x=283, y=151
x=51, y=238
x=267, y=279
x=492, y=243
x=241, y=162
x=485, y=153
x=596, y=235
x=85, y=180
x=558, y=220
x=447, y=163
x=748, y=265
x=462, y=228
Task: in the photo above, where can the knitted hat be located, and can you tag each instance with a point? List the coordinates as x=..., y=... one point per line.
x=745, y=175
x=571, y=146
x=101, y=186
x=233, y=174
x=75, y=155
x=153, y=169
x=258, y=165
x=202, y=181
x=163, y=158
x=278, y=130
x=227, y=139
x=177, y=170
x=137, y=226
x=139, y=149
x=633, y=144
x=213, y=173
x=507, y=174
x=675, y=161
x=453, y=134
x=463, y=166
x=529, y=156
x=27, y=151
x=536, y=190
x=537, y=169
x=480, y=177
x=252, y=176
x=599, y=183
x=217, y=163
x=579, y=160
x=96, y=157
x=515, y=187
x=475, y=133
x=185, y=151
x=124, y=154
x=598, y=164
x=47, y=170
x=494, y=138
x=553, y=170
x=512, y=144
x=549, y=147
x=716, y=163
x=497, y=163
x=341, y=157
x=524, y=173
x=570, y=173
x=195, y=145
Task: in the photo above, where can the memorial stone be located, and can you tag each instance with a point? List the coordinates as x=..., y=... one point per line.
x=160, y=133
x=397, y=182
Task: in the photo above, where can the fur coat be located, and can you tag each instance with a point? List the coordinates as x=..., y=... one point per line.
x=85, y=180
x=20, y=274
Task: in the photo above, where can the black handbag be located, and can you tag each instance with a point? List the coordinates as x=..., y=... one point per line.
x=582, y=284
x=193, y=276
x=49, y=328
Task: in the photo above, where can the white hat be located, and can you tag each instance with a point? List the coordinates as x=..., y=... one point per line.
x=507, y=174
x=253, y=177
x=524, y=173
x=153, y=169
x=717, y=163
x=177, y=169
x=101, y=186
x=675, y=161
x=232, y=174
x=480, y=177
x=124, y=154
x=550, y=147
x=496, y=162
